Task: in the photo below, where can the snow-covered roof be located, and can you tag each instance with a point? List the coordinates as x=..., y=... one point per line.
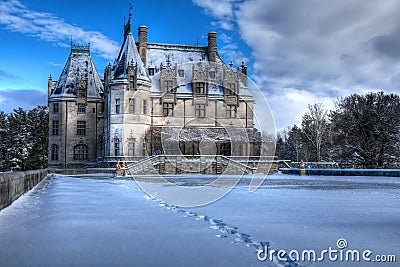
x=184, y=83
x=129, y=55
x=78, y=67
x=158, y=54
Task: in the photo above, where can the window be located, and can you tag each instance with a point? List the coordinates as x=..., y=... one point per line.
x=144, y=106
x=56, y=108
x=80, y=152
x=131, y=105
x=132, y=82
x=54, y=152
x=117, y=106
x=181, y=73
x=232, y=89
x=117, y=147
x=82, y=92
x=81, y=128
x=200, y=88
x=81, y=108
x=151, y=71
x=144, y=147
x=200, y=110
x=168, y=109
x=56, y=128
x=131, y=148
x=231, y=111
x=212, y=74
x=167, y=86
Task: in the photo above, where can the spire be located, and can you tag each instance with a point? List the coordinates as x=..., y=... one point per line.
x=127, y=26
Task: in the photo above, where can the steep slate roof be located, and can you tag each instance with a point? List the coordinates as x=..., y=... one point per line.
x=129, y=55
x=183, y=57
x=78, y=67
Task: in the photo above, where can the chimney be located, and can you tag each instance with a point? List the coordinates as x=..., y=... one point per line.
x=143, y=43
x=212, y=46
x=107, y=76
x=50, y=86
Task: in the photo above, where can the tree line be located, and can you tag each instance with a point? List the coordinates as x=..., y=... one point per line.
x=24, y=139
x=361, y=131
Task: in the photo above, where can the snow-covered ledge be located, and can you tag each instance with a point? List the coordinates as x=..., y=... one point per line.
x=14, y=184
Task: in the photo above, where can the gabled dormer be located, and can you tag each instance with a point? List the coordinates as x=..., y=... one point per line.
x=168, y=83
x=231, y=85
x=199, y=81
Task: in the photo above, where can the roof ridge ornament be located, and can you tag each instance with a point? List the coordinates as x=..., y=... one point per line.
x=127, y=26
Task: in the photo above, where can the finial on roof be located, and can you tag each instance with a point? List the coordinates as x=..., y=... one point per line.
x=244, y=68
x=231, y=64
x=127, y=26
x=50, y=77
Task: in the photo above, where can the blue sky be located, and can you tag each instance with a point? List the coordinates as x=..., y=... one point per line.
x=298, y=52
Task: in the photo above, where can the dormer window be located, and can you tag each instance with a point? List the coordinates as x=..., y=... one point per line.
x=200, y=88
x=151, y=71
x=167, y=86
x=131, y=82
x=232, y=89
x=82, y=92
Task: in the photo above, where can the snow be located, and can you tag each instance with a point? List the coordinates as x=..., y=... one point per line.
x=101, y=222
x=179, y=62
x=78, y=67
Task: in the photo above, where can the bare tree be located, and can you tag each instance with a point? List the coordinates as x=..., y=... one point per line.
x=315, y=126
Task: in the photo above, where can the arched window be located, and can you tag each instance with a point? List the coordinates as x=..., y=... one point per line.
x=81, y=152
x=54, y=152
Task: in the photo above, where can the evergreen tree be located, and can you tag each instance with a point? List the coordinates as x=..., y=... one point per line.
x=3, y=139
x=38, y=134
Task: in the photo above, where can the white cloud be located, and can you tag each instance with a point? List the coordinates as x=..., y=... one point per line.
x=311, y=51
x=222, y=10
x=24, y=98
x=45, y=26
x=50, y=63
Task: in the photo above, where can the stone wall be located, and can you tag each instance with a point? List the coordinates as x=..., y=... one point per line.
x=14, y=184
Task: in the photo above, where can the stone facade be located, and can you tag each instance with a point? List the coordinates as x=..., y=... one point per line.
x=155, y=99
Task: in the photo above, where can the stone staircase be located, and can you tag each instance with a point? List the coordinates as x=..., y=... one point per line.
x=171, y=164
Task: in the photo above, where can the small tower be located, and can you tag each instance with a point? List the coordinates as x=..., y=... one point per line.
x=128, y=98
x=75, y=105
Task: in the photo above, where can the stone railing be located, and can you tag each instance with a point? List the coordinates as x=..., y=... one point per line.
x=14, y=184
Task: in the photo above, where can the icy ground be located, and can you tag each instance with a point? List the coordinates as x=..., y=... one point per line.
x=110, y=222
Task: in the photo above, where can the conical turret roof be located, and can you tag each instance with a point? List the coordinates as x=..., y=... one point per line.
x=129, y=55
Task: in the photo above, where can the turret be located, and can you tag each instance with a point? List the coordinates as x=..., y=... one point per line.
x=212, y=46
x=142, y=35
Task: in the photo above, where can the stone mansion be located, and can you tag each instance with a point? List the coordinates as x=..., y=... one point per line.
x=155, y=99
